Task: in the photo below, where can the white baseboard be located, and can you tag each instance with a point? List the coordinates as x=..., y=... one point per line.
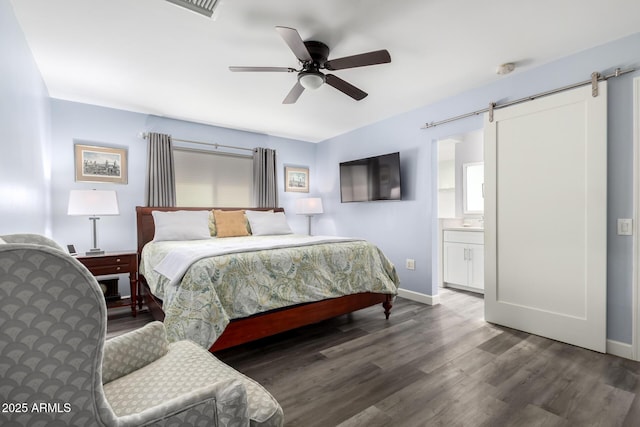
x=418, y=297
x=620, y=349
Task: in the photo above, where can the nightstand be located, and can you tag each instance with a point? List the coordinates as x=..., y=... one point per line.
x=115, y=263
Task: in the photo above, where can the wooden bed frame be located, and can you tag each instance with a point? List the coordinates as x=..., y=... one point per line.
x=261, y=325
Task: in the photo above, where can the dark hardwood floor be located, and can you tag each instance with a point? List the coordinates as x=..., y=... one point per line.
x=433, y=366
x=120, y=320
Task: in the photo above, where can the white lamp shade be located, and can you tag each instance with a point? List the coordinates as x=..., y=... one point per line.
x=309, y=206
x=93, y=202
x=311, y=80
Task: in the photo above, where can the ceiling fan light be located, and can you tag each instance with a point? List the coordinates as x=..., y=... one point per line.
x=311, y=80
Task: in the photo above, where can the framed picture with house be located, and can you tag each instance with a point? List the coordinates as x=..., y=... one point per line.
x=100, y=164
x=296, y=179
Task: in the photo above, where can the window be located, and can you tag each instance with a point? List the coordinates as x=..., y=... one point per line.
x=213, y=179
x=473, y=187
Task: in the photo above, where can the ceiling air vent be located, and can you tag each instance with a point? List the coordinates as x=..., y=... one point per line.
x=203, y=7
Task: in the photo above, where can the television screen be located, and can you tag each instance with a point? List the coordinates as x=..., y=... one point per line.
x=373, y=178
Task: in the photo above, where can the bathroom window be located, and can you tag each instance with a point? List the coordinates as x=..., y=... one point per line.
x=473, y=188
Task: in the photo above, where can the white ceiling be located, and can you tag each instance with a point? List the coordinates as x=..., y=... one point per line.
x=154, y=57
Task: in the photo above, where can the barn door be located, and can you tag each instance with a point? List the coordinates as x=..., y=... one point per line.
x=545, y=217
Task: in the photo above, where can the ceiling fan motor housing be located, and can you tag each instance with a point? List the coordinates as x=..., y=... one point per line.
x=319, y=53
x=310, y=76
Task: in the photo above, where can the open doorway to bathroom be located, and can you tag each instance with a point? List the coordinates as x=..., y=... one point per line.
x=460, y=225
x=459, y=157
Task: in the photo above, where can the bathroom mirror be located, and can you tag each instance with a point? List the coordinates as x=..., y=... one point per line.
x=473, y=188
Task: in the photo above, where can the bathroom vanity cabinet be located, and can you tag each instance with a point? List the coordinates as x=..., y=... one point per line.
x=464, y=258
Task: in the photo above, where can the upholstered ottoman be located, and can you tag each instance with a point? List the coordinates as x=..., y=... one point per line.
x=141, y=369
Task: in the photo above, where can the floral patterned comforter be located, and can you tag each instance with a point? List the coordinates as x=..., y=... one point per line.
x=216, y=289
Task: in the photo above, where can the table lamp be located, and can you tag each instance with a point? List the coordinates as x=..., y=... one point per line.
x=93, y=203
x=310, y=206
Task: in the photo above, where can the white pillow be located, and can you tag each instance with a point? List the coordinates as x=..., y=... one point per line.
x=267, y=223
x=181, y=225
x=2, y=242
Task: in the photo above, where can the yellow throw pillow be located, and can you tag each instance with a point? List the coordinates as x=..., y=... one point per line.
x=230, y=223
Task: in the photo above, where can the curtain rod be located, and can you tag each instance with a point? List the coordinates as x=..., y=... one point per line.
x=595, y=77
x=145, y=135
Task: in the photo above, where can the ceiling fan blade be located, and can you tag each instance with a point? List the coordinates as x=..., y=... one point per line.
x=295, y=43
x=361, y=60
x=276, y=69
x=294, y=94
x=344, y=87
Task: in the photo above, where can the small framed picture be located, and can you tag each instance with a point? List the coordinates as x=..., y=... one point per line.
x=100, y=164
x=296, y=179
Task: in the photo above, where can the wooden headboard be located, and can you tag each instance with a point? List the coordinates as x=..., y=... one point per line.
x=146, y=226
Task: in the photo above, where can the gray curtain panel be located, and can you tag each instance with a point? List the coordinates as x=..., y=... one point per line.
x=265, y=188
x=161, y=177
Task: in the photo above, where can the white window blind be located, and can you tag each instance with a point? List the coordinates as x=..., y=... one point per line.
x=213, y=179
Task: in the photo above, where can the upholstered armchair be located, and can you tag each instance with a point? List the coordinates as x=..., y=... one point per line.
x=56, y=368
x=35, y=239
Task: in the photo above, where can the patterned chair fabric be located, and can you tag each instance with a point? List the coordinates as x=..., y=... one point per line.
x=52, y=344
x=34, y=239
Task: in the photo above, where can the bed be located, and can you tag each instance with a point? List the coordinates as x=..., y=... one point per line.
x=251, y=326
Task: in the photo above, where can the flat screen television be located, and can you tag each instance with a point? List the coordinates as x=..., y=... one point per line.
x=373, y=178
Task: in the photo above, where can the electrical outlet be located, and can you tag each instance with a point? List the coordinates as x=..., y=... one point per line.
x=411, y=264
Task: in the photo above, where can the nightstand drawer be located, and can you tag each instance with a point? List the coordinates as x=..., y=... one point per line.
x=104, y=270
x=108, y=263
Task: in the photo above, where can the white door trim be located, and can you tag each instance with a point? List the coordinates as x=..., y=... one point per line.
x=636, y=212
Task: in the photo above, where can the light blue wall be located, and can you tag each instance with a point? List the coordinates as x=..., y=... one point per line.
x=25, y=125
x=400, y=228
x=406, y=229
x=75, y=122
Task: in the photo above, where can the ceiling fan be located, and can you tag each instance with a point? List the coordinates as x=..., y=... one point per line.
x=313, y=58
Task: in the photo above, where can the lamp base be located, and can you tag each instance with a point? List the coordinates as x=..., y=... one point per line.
x=95, y=250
